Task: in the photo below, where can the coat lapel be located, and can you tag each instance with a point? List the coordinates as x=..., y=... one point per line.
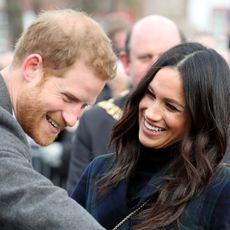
x=112, y=209
x=4, y=96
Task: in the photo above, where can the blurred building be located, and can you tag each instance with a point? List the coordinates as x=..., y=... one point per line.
x=4, y=43
x=190, y=15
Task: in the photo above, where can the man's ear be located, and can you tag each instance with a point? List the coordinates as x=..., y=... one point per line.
x=31, y=66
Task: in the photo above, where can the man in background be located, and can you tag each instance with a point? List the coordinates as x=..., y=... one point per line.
x=116, y=26
x=146, y=41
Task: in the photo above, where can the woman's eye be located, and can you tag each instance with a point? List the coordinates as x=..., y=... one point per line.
x=172, y=108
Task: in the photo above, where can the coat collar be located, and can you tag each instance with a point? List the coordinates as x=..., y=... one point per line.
x=4, y=96
x=152, y=187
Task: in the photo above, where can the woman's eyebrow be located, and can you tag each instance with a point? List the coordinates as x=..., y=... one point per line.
x=175, y=102
x=170, y=100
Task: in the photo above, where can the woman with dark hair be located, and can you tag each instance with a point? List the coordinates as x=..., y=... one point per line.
x=167, y=170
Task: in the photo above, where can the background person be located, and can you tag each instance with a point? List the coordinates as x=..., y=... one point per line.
x=166, y=171
x=116, y=26
x=55, y=73
x=146, y=41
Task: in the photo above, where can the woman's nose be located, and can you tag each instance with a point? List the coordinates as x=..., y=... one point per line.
x=154, y=111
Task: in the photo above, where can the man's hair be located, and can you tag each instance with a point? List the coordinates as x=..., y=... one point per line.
x=62, y=37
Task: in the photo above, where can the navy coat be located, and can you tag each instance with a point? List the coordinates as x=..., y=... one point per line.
x=210, y=210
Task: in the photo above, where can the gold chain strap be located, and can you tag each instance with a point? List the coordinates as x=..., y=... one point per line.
x=130, y=215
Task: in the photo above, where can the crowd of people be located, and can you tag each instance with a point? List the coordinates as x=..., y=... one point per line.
x=131, y=115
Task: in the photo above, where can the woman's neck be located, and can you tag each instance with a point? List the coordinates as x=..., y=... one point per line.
x=152, y=160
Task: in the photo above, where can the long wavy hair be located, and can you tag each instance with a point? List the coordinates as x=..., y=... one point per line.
x=206, y=82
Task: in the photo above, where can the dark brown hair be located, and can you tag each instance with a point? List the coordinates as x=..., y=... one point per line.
x=206, y=82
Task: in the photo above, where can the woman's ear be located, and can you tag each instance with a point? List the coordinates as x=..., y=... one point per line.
x=31, y=66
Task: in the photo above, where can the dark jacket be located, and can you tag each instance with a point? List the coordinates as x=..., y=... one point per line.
x=91, y=139
x=210, y=210
x=227, y=154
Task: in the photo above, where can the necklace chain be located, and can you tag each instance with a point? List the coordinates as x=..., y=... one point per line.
x=130, y=215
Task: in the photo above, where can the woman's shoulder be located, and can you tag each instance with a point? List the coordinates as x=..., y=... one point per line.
x=101, y=163
x=224, y=171
x=217, y=201
x=215, y=198
x=104, y=158
x=221, y=180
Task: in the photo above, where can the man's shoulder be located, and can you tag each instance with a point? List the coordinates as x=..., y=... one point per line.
x=12, y=135
x=7, y=123
x=225, y=171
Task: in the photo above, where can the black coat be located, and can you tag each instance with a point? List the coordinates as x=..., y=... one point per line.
x=227, y=154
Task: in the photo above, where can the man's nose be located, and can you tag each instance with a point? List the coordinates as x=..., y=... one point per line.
x=72, y=115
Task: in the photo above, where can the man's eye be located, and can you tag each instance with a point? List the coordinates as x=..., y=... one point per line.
x=84, y=106
x=67, y=99
x=145, y=58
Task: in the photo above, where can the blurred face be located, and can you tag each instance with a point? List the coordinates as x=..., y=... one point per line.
x=163, y=119
x=118, y=40
x=148, y=41
x=46, y=107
